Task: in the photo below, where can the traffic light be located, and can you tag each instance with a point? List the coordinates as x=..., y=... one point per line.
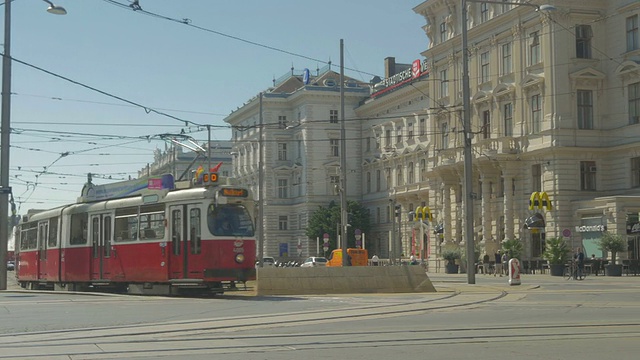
x=398, y=209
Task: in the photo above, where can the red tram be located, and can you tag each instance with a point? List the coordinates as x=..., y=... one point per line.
x=146, y=242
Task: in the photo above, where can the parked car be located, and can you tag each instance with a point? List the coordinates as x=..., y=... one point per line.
x=314, y=261
x=11, y=265
x=268, y=261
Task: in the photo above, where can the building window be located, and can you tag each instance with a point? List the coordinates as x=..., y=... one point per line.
x=368, y=182
x=536, y=114
x=283, y=189
x=635, y=172
x=506, y=59
x=410, y=132
x=536, y=177
x=410, y=173
x=333, y=147
x=387, y=138
x=585, y=109
x=444, y=84
x=422, y=127
x=282, y=121
x=443, y=32
x=283, y=222
x=399, y=176
x=423, y=170
x=508, y=119
x=378, y=180
x=583, y=41
x=398, y=135
x=486, y=124
x=333, y=116
x=506, y=7
x=632, y=33
x=334, y=180
x=282, y=151
x=484, y=12
x=634, y=103
x=534, y=48
x=368, y=143
x=588, y=175
x=444, y=128
x=388, y=177
x=484, y=67
x=378, y=218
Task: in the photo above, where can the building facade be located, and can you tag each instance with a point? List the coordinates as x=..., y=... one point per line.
x=555, y=112
x=301, y=132
x=547, y=119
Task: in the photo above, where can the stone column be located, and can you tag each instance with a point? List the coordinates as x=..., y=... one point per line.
x=446, y=212
x=486, y=209
x=509, y=213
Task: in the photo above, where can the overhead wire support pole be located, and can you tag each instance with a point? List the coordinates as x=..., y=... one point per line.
x=260, y=188
x=4, y=146
x=468, y=167
x=343, y=163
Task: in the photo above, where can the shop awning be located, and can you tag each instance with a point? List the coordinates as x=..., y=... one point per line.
x=536, y=221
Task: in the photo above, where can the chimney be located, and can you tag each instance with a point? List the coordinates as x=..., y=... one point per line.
x=389, y=67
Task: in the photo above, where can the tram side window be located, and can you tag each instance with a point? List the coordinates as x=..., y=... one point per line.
x=152, y=222
x=29, y=237
x=53, y=232
x=79, y=229
x=126, y=224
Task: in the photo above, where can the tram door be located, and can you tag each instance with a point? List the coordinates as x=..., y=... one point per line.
x=101, y=240
x=43, y=231
x=184, y=248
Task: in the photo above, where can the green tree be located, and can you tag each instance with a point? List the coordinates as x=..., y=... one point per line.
x=325, y=220
x=514, y=248
x=613, y=243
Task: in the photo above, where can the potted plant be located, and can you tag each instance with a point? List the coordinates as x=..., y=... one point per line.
x=613, y=243
x=450, y=256
x=556, y=253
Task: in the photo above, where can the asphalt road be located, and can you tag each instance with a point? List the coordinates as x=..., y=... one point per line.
x=545, y=317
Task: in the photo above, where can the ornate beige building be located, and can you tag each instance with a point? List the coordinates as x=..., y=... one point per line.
x=555, y=109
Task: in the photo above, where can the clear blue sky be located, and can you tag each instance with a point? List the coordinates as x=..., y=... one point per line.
x=199, y=73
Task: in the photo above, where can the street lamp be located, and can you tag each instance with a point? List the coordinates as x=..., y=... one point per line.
x=5, y=189
x=466, y=121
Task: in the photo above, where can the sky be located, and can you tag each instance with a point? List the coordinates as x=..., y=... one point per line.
x=93, y=88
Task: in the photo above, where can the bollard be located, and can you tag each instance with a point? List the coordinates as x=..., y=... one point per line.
x=514, y=272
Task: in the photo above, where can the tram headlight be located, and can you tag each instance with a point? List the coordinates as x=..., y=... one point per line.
x=239, y=258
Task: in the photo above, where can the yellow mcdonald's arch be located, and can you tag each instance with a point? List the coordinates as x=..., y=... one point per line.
x=540, y=200
x=423, y=212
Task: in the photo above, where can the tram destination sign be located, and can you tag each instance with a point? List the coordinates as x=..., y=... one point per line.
x=234, y=192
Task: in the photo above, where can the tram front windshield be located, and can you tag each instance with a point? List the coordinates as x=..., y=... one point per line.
x=229, y=220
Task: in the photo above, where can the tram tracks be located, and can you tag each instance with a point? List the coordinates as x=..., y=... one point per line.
x=94, y=341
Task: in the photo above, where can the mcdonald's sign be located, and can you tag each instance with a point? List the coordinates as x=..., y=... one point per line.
x=423, y=213
x=540, y=200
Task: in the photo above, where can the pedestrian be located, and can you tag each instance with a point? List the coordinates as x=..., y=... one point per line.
x=579, y=257
x=505, y=263
x=375, y=260
x=498, y=266
x=485, y=263
x=412, y=260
